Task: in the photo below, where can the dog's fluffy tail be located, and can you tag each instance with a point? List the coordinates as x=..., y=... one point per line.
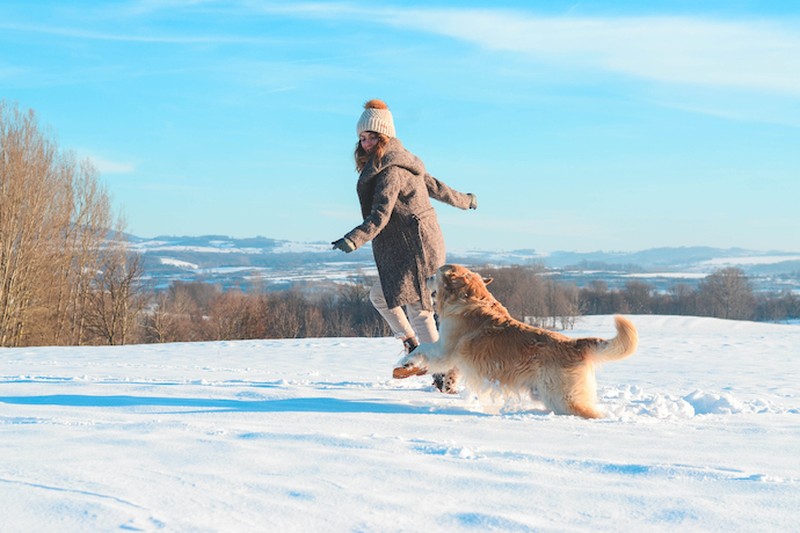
x=621, y=346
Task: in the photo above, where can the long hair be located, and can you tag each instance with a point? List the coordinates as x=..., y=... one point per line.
x=362, y=156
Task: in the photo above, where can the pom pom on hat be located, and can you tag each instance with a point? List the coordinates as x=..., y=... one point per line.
x=376, y=117
x=376, y=104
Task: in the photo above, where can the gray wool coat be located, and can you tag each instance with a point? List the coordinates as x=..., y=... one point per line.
x=399, y=219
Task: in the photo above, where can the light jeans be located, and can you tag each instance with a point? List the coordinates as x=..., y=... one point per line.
x=411, y=322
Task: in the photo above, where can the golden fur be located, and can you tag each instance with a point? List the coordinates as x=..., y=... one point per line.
x=487, y=345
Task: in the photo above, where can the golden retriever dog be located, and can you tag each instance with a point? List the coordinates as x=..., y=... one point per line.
x=488, y=347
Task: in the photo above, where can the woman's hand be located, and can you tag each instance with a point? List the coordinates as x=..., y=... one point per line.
x=344, y=244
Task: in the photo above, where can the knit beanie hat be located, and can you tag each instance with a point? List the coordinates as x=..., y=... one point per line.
x=376, y=117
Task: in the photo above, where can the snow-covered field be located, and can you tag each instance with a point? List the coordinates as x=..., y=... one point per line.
x=702, y=434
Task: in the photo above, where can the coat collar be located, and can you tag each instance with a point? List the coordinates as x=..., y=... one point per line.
x=395, y=155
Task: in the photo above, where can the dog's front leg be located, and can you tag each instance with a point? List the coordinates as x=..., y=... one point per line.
x=418, y=361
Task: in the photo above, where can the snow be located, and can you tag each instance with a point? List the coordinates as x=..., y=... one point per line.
x=301, y=247
x=218, y=246
x=668, y=275
x=215, y=247
x=750, y=260
x=702, y=434
x=177, y=263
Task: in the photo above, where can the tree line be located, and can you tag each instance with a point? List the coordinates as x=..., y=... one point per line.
x=725, y=293
x=68, y=277
x=198, y=311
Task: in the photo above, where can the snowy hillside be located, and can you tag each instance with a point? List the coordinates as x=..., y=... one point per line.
x=312, y=434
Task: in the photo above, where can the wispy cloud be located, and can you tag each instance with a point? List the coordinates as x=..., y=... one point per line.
x=762, y=55
x=99, y=35
x=107, y=166
x=754, y=55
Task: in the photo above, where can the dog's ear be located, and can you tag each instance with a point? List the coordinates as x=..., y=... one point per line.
x=487, y=281
x=453, y=279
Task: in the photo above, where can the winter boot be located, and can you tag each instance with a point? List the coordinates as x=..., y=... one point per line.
x=411, y=344
x=409, y=369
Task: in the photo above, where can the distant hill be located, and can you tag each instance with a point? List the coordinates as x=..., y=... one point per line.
x=279, y=263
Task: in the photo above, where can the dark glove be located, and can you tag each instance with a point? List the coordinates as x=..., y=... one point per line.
x=473, y=201
x=344, y=244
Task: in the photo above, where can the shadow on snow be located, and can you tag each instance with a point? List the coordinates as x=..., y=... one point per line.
x=291, y=405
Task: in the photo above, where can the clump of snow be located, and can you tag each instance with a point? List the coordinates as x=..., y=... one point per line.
x=705, y=403
x=177, y=263
x=313, y=434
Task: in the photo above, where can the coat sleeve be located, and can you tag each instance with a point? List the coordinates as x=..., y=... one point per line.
x=387, y=189
x=439, y=191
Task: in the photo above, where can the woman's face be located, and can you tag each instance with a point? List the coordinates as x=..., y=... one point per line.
x=368, y=140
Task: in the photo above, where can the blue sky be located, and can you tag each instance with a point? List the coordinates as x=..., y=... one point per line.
x=601, y=125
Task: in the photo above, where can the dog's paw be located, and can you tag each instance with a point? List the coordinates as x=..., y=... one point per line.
x=409, y=366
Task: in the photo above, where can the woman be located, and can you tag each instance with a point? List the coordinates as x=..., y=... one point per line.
x=394, y=190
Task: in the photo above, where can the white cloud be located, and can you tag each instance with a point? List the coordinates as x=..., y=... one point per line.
x=106, y=166
x=762, y=55
x=753, y=55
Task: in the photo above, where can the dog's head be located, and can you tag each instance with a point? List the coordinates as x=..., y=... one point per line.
x=455, y=283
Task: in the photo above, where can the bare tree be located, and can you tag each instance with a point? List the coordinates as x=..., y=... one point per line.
x=638, y=296
x=158, y=324
x=230, y=316
x=30, y=220
x=562, y=304
x=350, y=312
x=181, y=313
x=85, y=236
x=598, y=299
x=116, y=299
x=726, y=293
